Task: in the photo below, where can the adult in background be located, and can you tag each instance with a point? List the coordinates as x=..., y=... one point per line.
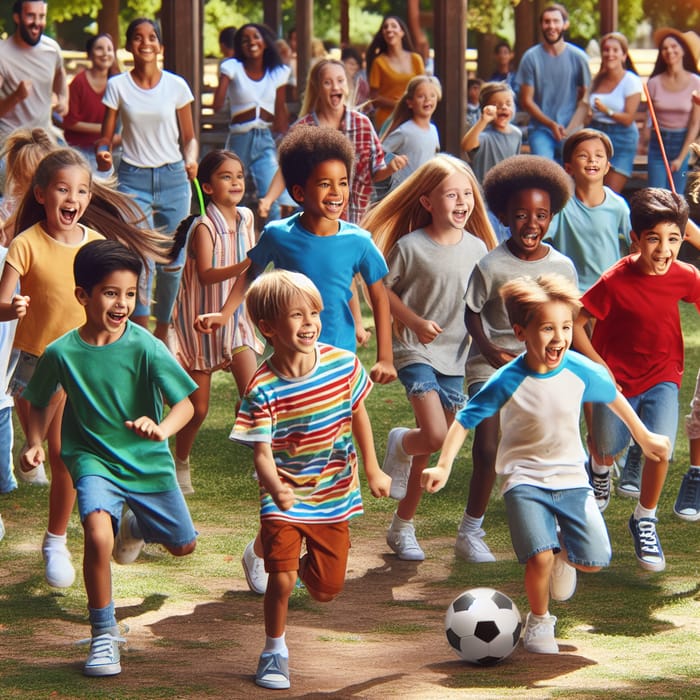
x=671, y=84
x=31, y=72
x=615, y=95
x=553, y=77
x=255, y=82
x=391, y=63
x=155, y=107
x=82, y=125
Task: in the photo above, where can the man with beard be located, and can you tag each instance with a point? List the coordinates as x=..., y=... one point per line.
x=31, y=71
x=553, y=77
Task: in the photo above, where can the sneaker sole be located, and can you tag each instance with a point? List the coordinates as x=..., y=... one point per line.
x=106, y=670
x=648, y=565
x=688, y=518
x=627, y=493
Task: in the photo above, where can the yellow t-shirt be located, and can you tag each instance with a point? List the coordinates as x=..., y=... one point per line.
x=45, y=268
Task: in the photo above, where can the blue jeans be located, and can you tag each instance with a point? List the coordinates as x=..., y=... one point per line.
x=164, y=196
x=658, y=409
x=533, y=514
x=257, y=149
x=656, y=170
x=543, y=143
x=7, y=477
x=624, y=140
x=420, y=378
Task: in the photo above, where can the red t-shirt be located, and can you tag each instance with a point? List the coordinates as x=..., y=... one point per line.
x=638, y=327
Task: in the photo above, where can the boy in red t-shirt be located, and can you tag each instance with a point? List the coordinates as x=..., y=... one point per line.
x=637, y=336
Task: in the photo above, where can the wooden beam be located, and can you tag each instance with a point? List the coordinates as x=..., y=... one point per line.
x=450, y=31
x=305, y=33
x=272, y=15
x=608, y=16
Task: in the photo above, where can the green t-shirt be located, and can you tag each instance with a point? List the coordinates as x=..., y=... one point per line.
x=107, y=385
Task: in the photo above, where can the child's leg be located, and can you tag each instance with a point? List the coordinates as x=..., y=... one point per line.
x=323, y=567
x=243, y=365
x=200, y=400
x=538, y=571
x=687, y=506
x=7, y=477
x=99, y=541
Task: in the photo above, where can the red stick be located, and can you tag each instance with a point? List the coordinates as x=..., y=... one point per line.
x=655, y=124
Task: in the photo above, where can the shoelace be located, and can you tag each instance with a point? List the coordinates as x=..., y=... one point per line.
x=407, y=539
x=690, y=493
x=647, y=536
x=601, y=485
x=101, y=649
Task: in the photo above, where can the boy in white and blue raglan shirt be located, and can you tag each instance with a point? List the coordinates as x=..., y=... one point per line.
x=554, y=522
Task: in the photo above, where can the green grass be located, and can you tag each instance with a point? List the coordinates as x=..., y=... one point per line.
x=622, y=608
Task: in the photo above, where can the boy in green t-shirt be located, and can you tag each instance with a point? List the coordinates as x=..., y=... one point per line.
x=116, y=376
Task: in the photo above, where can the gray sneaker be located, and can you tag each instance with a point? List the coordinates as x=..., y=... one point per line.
x=402, y=540
x=539, y=635
x=104, y=657
x=397, y=464
x=631, y=476
x=471, y=547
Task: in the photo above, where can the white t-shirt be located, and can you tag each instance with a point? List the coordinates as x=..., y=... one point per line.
x=245, y=93
x=615, y=99
x=150, y=132
x=39, y=64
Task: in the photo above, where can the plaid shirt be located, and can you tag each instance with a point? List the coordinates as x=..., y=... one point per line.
x=369, y=157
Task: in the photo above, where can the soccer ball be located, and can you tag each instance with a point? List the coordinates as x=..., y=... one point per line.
x=483, y=626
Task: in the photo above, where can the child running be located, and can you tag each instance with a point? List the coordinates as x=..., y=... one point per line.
x=554, y=523
x=410, y=131
x=54, y=219
x=300, y=414
x=524, y=191
x=217, y=247
x=421, y=230
x=114, y=433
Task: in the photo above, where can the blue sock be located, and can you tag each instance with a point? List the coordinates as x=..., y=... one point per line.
x=102, y=619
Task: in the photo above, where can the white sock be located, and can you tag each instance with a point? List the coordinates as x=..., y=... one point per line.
x=470, y=523
x=276, y=645
x=599, y=468
x=51, y=540
x=641, y=512
x=397, y=523
x=540, y=618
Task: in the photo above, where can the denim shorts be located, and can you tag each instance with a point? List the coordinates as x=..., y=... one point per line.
x=658, y=409
x=624, y=140
x=533, y=514
x=419, y=379
x=162, y=517
x=22, y=373
x=656, y=170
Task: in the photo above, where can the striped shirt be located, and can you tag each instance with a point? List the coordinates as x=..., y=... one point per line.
x=308, y=423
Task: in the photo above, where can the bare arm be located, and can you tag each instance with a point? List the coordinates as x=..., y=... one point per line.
x=12, y=305
x=470, y=140
x=425, y=329
x=178, y=416
x=20, y=93
x=379, y=482
x=627, y=116
x=203, y=247
x=655, y=447
x=104, y=155
x=280, y=124
x=495, y=356
x=220, y=92
x=60, y=88
x=266, y=469
x=206, y=323
x=691, y=135
x=383, y=371
x=37, y=426
x=526, y=97
x=435, y=478
x=273, y=192
x=190, y=145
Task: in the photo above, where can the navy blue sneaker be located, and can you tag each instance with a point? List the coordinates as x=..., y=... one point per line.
x=687, y=506
x=647, y=546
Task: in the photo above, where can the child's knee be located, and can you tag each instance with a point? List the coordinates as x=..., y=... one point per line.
x=321, y=596
x=183, y=549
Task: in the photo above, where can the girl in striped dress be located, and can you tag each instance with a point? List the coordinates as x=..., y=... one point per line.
x=217, y=243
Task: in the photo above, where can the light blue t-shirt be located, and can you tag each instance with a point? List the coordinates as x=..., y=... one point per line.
x=556, y=79
x=330, y=262
x=592, y=236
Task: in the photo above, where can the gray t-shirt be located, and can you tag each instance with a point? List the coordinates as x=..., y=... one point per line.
x=431, y=280
x=417, y=144
x=494, y=146
x=483, y=297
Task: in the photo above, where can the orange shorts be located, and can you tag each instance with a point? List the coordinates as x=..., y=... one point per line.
x=327, y=547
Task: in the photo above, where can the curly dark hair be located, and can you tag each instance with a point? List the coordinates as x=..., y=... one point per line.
x=305, y=147
x=526, y=172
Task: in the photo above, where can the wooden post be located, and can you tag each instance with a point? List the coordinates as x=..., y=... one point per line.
x=305, y=32
x=608, y=16
x=450, y=31
x=344, y=23
x=272, y=15
x=182, y=24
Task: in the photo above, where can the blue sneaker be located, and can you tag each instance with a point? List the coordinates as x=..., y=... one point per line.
x=631, y=477
x=647, y=545
x=273, y=671
x=104, y=657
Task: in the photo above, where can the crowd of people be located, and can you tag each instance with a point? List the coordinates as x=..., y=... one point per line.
x=510, y=313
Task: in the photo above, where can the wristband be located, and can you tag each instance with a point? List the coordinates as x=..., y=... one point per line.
x=610, y=113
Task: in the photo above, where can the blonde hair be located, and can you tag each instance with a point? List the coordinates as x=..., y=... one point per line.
x=273, y=293
x=313, y=85
x=524, y=296
x=402, y=112
x=401, y=211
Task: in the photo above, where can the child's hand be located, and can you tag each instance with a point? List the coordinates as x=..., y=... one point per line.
x=656, y=447
x=379, y=482
x=147, y=428
x=497, y=357
x=206, y=323
x=427, y=331
x=20, y=304
x=191, y=169
x=489, y=113
x=32, y=457
x=104, y=160
x=283, y=497
x=433, y=479
x=362, y=336
x=264, y=207
x=398, y=162
x=383, y=372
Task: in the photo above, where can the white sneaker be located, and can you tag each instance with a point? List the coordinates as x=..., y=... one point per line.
x=104, y=657
x=184, y=478
x=562, y=582
x=59, y=570
x=127, y=547
x=397, y=464
x=35, y=477
x=471, y=547
x=402, y=540
x=2, y=528
x=539, y=635
x=254, y=570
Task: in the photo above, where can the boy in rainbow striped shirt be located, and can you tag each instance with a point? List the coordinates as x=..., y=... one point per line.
x=300, y=413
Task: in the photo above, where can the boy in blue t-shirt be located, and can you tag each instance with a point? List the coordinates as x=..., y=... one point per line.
x=554, y=523
x=116, y=376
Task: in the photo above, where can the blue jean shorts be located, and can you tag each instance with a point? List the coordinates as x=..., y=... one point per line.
x=533, y=514
x=22, y=372
x=419, y=379
x=163, y=517
x=658, y=409
x=625, y=140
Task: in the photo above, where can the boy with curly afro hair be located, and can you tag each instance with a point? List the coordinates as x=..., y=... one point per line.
x=524, y=191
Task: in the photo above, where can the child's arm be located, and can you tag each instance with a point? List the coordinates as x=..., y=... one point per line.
x=396, y=163
x=470, y=140
x=12, y=305
x=273, y=192
x=383, y=371
x=37, y=426
x=178, y=416
x=425, y=329
x=362, y=335
x=103, y=154
x=692, y=234
x=203, y=247
x=582, y=343
x=206, y=323
x=435, y=478
x=269, y=479
x=495, y=356
x=655, y=447
x=378, y=481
